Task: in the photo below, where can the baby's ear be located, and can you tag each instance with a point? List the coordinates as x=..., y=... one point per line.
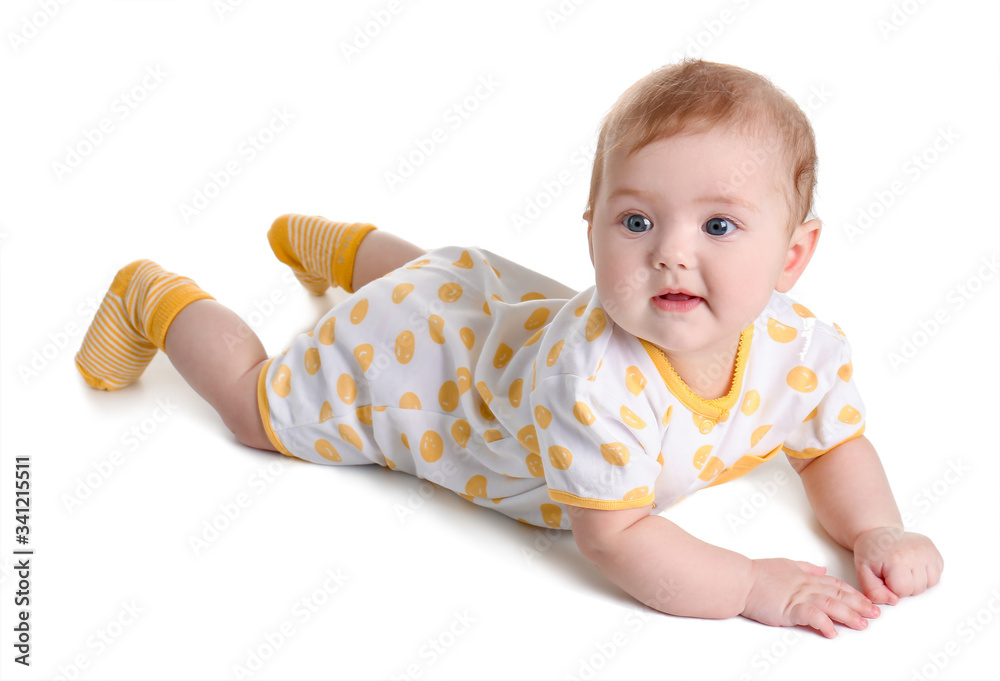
x=590, y=238
x=800, y=251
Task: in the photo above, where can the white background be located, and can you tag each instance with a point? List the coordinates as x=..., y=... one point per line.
x=500, y=599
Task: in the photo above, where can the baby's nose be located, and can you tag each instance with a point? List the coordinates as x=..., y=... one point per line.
x=674, y=249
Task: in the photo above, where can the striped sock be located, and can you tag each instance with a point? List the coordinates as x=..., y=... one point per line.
x=320, y=253
x=132, y=323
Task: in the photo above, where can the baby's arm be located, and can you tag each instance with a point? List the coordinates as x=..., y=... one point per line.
x=850, y=494
x=661, y=565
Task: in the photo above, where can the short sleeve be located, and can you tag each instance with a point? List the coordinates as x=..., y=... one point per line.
x=589, y=455
x=838, y=417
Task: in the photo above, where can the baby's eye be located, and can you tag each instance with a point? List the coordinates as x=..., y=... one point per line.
x=719, y=227
x=638, y=223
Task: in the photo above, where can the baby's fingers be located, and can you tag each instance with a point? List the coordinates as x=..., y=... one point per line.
x=835, y=602
x=874, y=588
x=810, y=568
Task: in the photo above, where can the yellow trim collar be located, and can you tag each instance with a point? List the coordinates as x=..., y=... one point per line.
x=717, y=409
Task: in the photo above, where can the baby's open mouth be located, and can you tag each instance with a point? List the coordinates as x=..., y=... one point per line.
x=676, y=301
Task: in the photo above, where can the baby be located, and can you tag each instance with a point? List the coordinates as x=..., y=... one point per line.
x=685, y=366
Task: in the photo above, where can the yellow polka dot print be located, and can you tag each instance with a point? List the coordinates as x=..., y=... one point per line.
x=779, y=332
x=615, y=453
x=634, y=380
x=435, y=325
x=552, y=515
x=359, y=311
x=364, y=354
x=461, y=431
x=401, y=291
x=327, y=332
x=282, y=382
x=802, y=379
x=312, y=361
x=560, y=457
x=448, y=396
x=465, y=261
x=583, y=413
x=348, y=434
x=630, y=418
x=554, y=353
x=515, y=392
x=537, y=319
x=405, y=346
x=326, y=449
x=431, y=446
x=528, y=437
x=595, y=324
x=347, y=389
x=450, y=292
x=750, y=402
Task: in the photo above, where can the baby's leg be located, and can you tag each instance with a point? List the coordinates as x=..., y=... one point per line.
x=379, y=254
x=220, y=357
x=148, y=309
x=323, y=253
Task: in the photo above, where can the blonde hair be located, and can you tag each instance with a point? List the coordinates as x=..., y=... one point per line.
x=694, y=96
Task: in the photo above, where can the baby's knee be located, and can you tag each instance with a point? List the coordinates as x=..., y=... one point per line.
x=242, y=413
x=249, y=431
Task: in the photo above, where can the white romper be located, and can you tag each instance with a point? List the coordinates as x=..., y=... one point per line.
x=521, y=395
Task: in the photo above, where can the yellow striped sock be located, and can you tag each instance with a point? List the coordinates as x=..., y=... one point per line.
x=132, y=323
x=320, y=252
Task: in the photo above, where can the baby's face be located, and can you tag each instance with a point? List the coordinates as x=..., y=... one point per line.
x=689, y=238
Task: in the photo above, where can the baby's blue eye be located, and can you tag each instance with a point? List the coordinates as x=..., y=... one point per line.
x=719, y=227
x=638, y=223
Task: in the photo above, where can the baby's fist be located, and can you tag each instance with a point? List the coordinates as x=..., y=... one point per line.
x=892, y=564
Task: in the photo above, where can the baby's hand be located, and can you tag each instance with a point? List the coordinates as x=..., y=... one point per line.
x=892, y=564
x=788, y=593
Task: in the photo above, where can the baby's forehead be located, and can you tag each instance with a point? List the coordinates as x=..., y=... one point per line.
x=760, y=149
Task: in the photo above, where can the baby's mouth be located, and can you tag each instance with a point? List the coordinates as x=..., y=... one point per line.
x=676, y=300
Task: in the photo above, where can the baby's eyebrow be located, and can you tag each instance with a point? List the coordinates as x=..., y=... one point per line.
x=630, y=191
x=728, y=199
